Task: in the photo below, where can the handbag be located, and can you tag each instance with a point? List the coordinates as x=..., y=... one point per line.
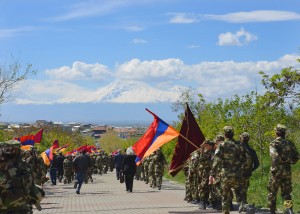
x=122, y=178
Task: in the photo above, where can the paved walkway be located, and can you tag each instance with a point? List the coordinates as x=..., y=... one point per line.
x=107, y=195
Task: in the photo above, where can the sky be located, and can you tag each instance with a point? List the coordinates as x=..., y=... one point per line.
x=108, y=60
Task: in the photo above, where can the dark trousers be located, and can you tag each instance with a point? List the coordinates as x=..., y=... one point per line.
x=118, y=169
x=80, y=176
x=53, y=172
x=129, y=182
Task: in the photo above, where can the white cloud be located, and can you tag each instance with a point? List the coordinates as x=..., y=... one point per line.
x=182, y=18
x=256, y=16
x=138, y=41
x=80, y=71
x=90, y=8
x=7, y=33
x=239, y=38
x=193, y=46
x=150, y=70
x=154, y=81
x=134, y=28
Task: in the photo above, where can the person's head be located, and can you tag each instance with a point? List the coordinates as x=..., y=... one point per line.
x=60, y=153
x=129, y=151
x=245, y=137
x=219, y=138
x=228, y=132
x=280, y=130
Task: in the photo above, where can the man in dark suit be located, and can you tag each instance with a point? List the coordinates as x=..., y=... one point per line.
x=81, y=163
x=129, y=168
x=118, y=160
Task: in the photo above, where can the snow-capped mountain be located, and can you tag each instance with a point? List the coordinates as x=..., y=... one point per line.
x=135, y=92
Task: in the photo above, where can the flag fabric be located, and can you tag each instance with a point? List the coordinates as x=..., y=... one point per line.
x=158, y=133
x=30, y=139
x=61, y=149
x=26, y=140
x=26, y=147
x=47, y=156
x=191, y=131
x=38, y=136
x=55, y=144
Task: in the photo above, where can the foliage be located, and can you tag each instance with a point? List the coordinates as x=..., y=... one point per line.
x=255, y=114
x=10, y=77
x=110, y=142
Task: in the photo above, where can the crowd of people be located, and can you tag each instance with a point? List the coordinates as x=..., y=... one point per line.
x=216, y=173
x=221, y=169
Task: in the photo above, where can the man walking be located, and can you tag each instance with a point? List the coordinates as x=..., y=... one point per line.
x=230, y=156
x=283, y=153
x=118, y=160
x=81, y=163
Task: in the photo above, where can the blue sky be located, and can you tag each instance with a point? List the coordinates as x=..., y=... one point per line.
x=91, y=52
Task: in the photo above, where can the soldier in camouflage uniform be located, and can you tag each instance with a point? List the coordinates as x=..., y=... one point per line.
x=205, y=163
x=194, y=176
x=146, y=169
x=99, y=163
x=41, y=171
x=159, y=167
x=215, y=197
x=283, y=153
x=151, y=170
x=188, y=194
x=68, y=169
x=230, y=156
x=18, y=190
x=251, y=164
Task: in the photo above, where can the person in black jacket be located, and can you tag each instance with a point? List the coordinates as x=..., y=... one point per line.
x=118, y=160
x=81, y=163
x=53, y=169
x=60, y=166
x=129, y=168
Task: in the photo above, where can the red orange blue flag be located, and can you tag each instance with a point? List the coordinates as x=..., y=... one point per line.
x=31, y=139
x=158, y=133
x=48, y=154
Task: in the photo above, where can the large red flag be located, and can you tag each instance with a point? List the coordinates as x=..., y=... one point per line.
x=38, y=136
x=191, y=131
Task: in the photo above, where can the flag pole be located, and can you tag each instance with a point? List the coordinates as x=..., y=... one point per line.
x=189, y=141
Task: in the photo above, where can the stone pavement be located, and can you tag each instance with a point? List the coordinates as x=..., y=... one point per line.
x=107, y=195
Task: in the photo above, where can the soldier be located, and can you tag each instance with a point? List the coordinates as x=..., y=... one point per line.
x=194, y=177
x=251, y=165
x=18, y=191
x=230, y=156
x=151, y=170
x=215, y=197
x=146, y=169
x=205, y=163
x=159, y=167
x=283, y=153
x=68, y=169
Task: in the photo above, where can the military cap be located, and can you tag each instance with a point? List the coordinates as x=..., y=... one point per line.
x=245, y=135
x=280, y=128
x=228, y=129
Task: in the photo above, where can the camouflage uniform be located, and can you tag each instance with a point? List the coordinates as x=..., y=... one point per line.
x=231, y=155
x=159, y=167
x=18, y=191
x=99, y=164
x=68, y=170
x=146, y=169
x=251, y=164
x=215, y=197
x=188, y=194
x=41, y=171
x=205, y=164
x=151, y=170
x=194, y=177
x=283, y=154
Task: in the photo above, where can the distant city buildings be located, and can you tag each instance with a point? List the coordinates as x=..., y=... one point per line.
x=95, y=131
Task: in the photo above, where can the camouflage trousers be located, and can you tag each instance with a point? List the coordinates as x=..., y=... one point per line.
x=204, y=188
x=229, y=183
x=279, y=181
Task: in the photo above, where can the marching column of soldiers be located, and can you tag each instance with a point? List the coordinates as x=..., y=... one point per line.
x=219, y=171
x=151, y=169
